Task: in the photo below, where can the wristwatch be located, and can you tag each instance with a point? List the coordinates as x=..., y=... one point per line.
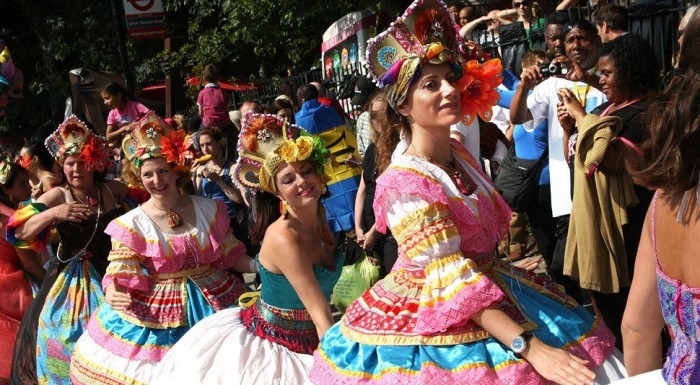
x=519, y=343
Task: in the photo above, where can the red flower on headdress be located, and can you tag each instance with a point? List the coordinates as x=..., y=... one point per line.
x=478, y=89
x=95, y=154
x=260, y=129
x=173, y=148
x=70, y=127
x=433, y=25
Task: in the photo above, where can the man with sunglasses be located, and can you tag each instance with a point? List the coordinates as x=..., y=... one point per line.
x=536, y=98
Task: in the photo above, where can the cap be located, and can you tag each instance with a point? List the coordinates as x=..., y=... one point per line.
x=363, y=89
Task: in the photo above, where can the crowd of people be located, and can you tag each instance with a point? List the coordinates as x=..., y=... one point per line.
x=127, y=258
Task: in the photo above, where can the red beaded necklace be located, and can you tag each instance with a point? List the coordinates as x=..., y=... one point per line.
x=465, y=183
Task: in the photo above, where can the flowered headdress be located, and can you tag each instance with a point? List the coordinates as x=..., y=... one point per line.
x=424, y=34
x=265, y=143
x=6, y=162
x=73, y=137
x=151, y=137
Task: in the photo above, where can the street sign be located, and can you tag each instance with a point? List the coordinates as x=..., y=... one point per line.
x=145, y=19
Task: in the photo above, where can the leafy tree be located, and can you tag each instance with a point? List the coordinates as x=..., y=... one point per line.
x=48, y=38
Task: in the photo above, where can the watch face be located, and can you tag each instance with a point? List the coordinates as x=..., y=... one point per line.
x=518, y=344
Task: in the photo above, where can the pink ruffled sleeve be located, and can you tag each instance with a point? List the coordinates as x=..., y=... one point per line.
x=420, y=216
x=125, y=267
x=224, y=243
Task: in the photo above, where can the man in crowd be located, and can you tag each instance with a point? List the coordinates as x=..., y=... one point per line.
x=581, y=45
x=611, y=22
x=323, y=121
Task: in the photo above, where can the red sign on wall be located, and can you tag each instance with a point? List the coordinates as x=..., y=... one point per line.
x=145, y=19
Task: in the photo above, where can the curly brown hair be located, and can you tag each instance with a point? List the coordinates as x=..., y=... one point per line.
x=390, y=123
x=671, y=158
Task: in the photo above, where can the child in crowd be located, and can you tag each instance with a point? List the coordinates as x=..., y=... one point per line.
x=123, y=111
x=213, y=101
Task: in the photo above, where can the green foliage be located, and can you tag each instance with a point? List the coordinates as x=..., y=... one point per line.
x=48, y=38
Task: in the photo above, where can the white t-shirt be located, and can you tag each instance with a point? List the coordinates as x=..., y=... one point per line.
x=471, y=135
x=542, y=103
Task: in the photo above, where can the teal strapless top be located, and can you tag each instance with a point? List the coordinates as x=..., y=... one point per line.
x=278, y=292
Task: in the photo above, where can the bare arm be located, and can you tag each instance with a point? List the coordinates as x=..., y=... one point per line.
x=58, y=211
x=643, y=321
x=556, y=365
x=519, y=113
x=359, y=207
x=115, y=134
x=468, y=28
x=566, y=4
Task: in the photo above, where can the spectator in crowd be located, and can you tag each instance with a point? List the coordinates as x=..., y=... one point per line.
x=582, y=44
x=530, y=141
x=364, y=88
x=612, y=22
x=283, y=109
x=214, y=180
x=71, y=292
x=383, y=246
x=213, y=102
x=554, y=35
x=466, y=14
x=168, y=267
x=603, y=237
x=525, y=15
x=270, y=341
x=122, y=111
x=493, y=23
x=37, y=160
x=343, y=171
x=454, y=11
x=18, y=268
x=666, y=275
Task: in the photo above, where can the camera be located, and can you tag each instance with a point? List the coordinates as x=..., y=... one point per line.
x=551, y=69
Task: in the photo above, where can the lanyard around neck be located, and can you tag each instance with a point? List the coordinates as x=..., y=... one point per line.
x=621, y=106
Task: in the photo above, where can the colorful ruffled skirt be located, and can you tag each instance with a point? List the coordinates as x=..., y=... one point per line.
x=342, y=360
x=243, y=346
x=72, y=299
x=116, y=351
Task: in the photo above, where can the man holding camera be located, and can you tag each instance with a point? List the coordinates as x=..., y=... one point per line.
x=575, y=72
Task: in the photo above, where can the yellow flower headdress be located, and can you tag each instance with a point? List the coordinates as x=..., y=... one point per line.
x=425, y=33
x=73, y=137
x=151, y=137
x=265, y=143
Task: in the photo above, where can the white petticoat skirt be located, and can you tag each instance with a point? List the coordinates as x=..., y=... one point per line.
x=649, y=378
x=221, y=350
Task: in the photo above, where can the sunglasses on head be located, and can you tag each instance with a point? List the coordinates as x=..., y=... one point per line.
x=520, y=4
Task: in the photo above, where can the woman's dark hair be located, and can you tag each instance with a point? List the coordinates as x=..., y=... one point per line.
x=671, y=158
x=637, y=70
x=114, y=88
x=210, y=74
x=15, y=170
x=267, y=210
x=280, y=104
x=390, y=123
x=38, y=149
x=212, y=131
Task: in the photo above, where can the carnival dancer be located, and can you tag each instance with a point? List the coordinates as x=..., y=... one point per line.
x=450, y=312
x=271, y=341
x=166, y=268
x=80, y=211
x=18, y=267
